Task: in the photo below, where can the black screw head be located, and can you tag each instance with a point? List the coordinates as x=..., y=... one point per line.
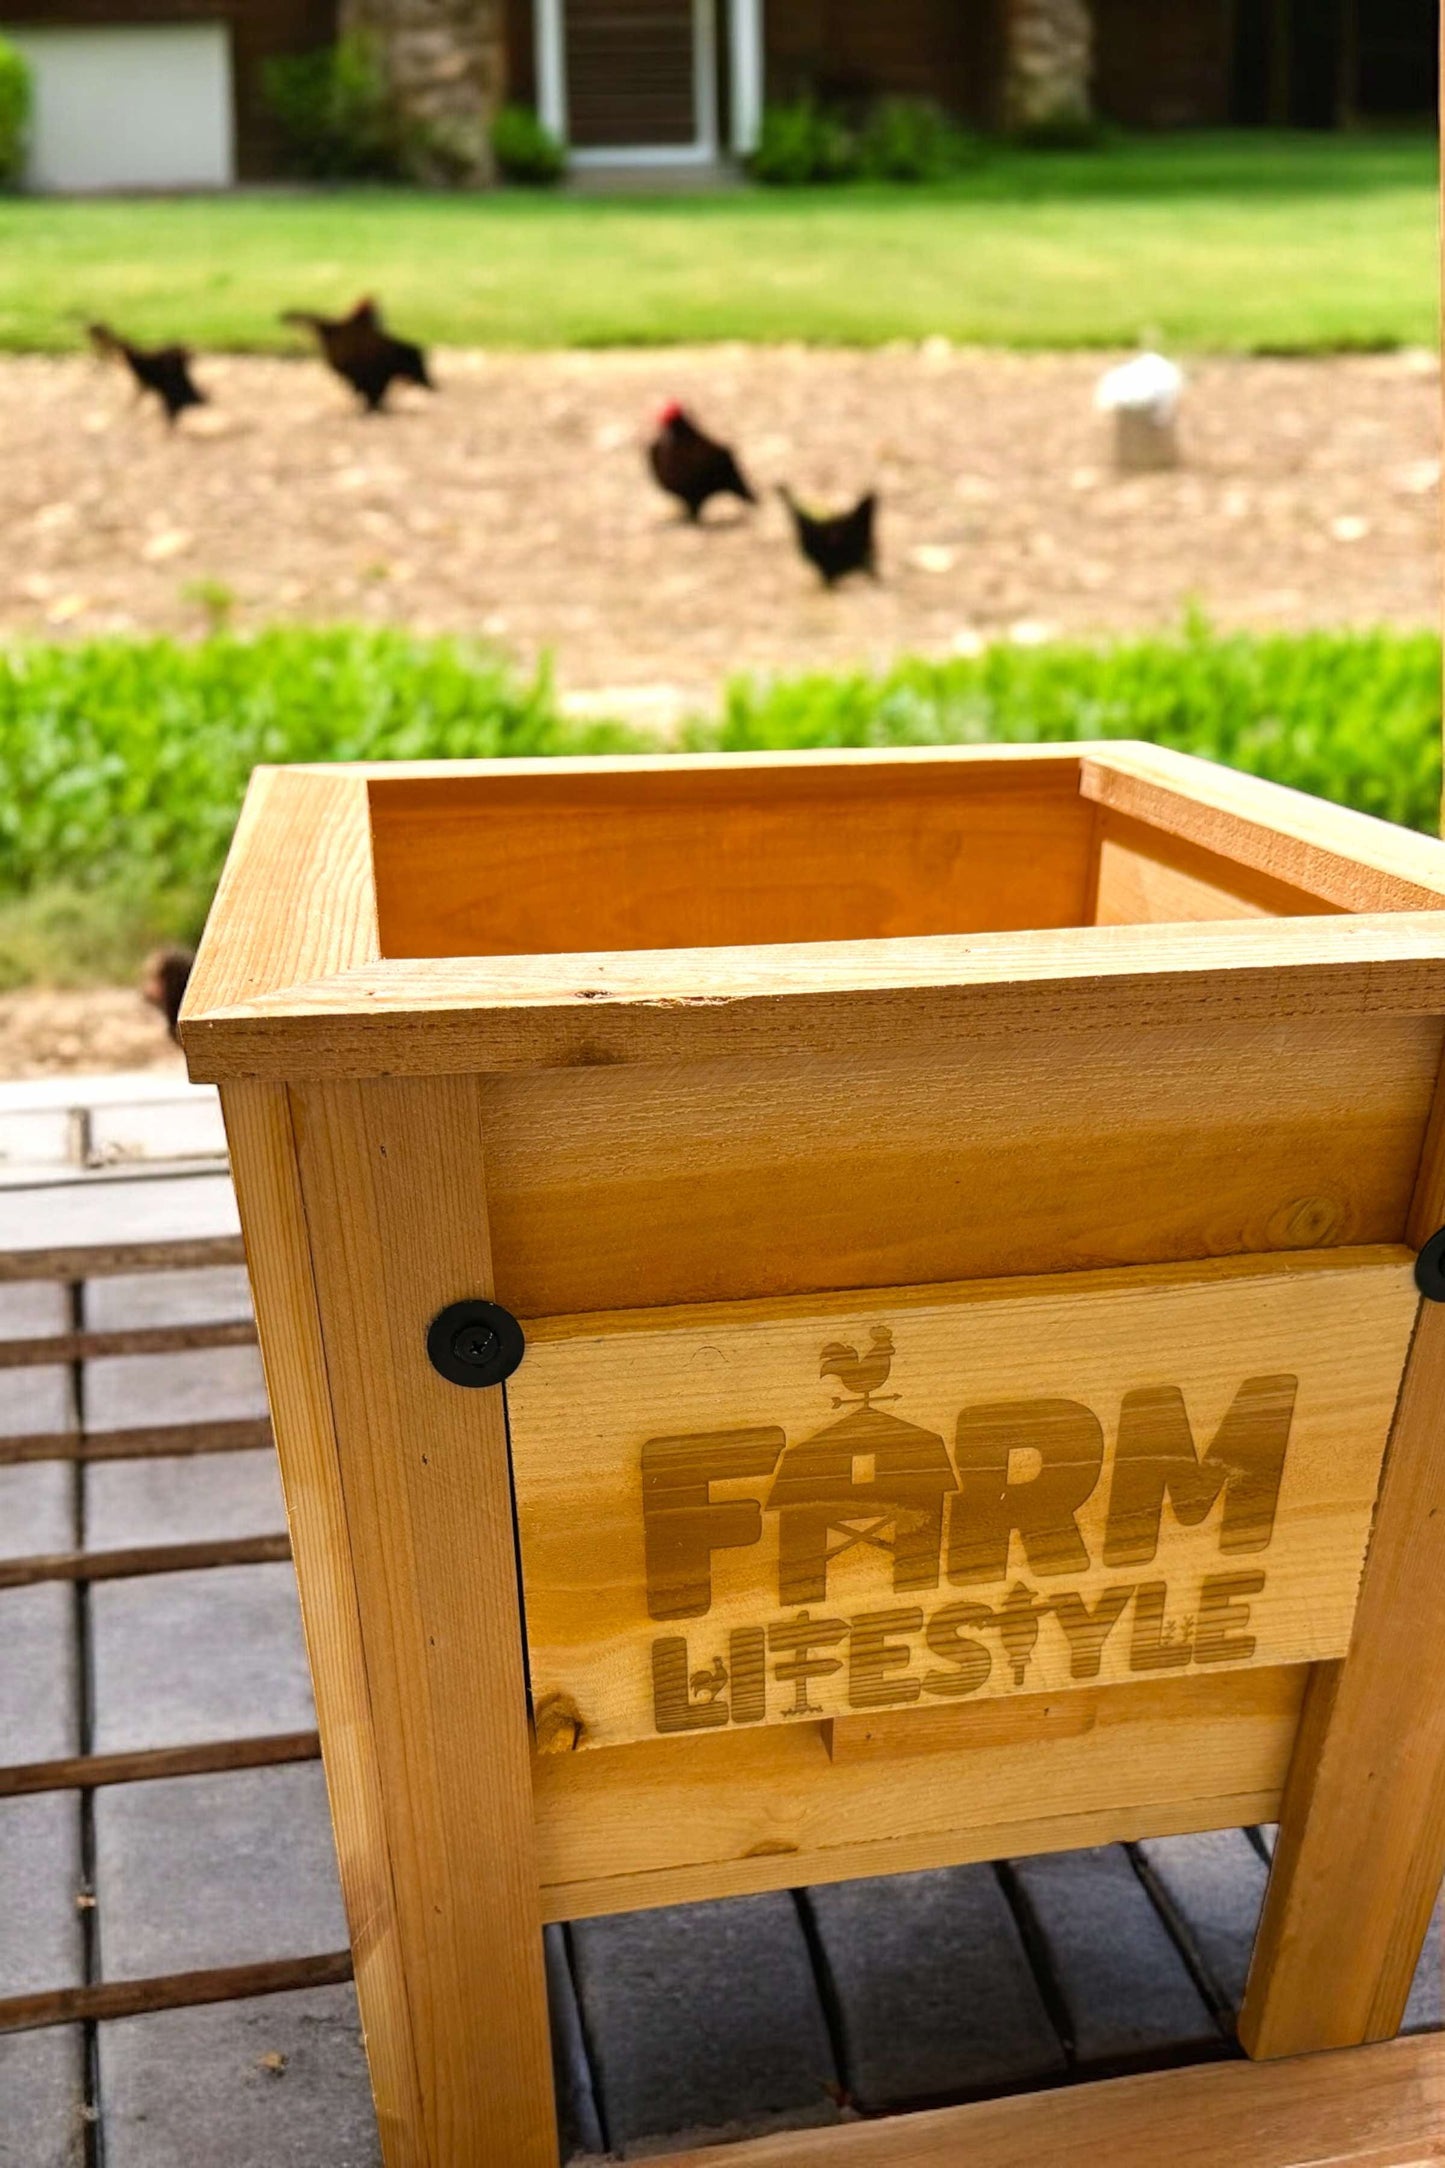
x=475, y=1343
x=1430, y=1268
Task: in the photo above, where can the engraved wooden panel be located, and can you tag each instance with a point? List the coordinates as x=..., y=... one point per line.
x=771, y=1513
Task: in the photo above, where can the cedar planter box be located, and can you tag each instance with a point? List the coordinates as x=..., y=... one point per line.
x=962, y=1212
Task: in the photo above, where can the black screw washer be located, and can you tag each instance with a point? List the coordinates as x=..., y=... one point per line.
x=475, y=1343
x=1430, y=1268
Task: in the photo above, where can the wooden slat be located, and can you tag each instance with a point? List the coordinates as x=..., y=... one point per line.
x=1149, y=878
x=90, y=1772
x=669, y=858
x=162, y=1441
x=461, y=1015
x=263, y=1156
x=303, y=844
x=171, y=1991
x=143, y=1559
x=1343, y=858
x=1361, y=1848
x=92, y=1229
x=75, y=1347
x=750, y=1178
x=1292, y=1365
x=1380, y=2108
x=713, y=1815
x=393, y=1177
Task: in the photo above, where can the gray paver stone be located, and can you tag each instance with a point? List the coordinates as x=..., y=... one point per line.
x=1129, y=1996
x=933, y=1988
x=39, y=1673
x=36, y=1401
x=195, y=1872
x=40, y=1938
x=1425, y=2011
x=578, y=2128
x=184, y=1657
x=197, y=1385
x=42, y=2094
x=210, y=1295
x=703, y=2018
x=1213, y=1885
x=33, y=1309
x=182, y=1498
x=276, y=2082
x=37, y=1504
x=186, y=1129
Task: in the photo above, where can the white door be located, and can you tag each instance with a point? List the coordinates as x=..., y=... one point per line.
x=627, y=82
x=143, y=106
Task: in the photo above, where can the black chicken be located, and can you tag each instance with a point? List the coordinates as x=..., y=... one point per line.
x=164, y=370
x=692, y=466
x=839, y=545
x=167, y=974
x=363, y=352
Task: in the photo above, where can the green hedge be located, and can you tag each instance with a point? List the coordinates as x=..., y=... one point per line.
x=123, y=762
x=1351, y=716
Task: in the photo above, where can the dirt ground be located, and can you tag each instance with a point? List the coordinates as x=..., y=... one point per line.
x=80, y=1034
x=515, y=505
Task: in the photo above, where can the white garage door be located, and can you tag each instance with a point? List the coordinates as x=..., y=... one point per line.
x=142, y=107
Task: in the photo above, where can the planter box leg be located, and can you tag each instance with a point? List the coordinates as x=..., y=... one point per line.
x=402, y=1518
x=1362, y=1834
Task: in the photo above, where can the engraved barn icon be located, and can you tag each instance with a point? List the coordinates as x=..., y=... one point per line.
x=826, y=1506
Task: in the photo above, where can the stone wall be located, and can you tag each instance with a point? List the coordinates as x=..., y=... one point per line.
x=447, y=64
x=1049, y=63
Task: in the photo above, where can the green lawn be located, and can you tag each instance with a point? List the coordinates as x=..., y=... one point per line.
x=1295, y=244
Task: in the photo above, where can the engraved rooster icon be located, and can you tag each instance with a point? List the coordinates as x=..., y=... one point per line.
x=861, y=1376
x=707, y=1685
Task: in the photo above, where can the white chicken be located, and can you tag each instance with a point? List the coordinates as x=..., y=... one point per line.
x=1144, y=396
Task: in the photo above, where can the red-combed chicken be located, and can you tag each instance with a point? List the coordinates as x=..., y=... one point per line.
x=164, y=371
x=840, y=544
x=363, y=353
x=692, y=466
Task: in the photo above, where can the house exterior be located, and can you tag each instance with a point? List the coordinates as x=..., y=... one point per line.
x=170, y=92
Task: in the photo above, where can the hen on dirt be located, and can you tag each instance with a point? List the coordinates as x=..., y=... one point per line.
x=840, y=544
x=692, y=466
x=364, y=353
x=167, y=974
x=163, y=370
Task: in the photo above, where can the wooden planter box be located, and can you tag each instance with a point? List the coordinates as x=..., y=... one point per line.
x=962, y=1208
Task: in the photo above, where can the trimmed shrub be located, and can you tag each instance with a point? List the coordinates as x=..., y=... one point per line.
x=801, y=145
x=910, y=139
x=15, y=104
x=527, y=153
x=335, y=113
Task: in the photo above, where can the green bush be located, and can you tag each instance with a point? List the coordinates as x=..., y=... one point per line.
x=335, y=113
x=802, y=144
x=1349, y=716
x=15, y=101
x=125, y=761
x=526, y=153
x=910, y=139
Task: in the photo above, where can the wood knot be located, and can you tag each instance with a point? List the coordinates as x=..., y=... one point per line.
x=557, y=1725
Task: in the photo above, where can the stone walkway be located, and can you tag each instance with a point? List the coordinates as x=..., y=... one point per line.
x=149, y=1625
